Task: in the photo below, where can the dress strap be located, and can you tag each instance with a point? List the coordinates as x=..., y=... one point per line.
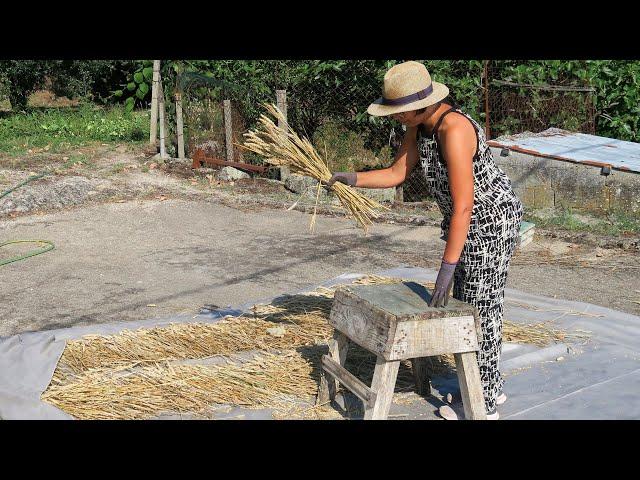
x=437, y=125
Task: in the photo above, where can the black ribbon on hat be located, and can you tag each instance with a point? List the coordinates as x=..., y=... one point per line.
x=414, y=97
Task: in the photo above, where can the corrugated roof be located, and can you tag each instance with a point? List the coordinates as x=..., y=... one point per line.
x=575, y=147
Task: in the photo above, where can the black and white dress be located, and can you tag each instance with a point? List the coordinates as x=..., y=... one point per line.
x=481, y=273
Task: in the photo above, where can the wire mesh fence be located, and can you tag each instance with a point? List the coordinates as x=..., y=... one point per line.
x=332, y=114
x=514, y=107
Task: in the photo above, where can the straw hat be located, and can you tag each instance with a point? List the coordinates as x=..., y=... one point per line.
x=407, y=86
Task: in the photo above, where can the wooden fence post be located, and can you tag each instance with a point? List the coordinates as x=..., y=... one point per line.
x=228, y=129
x=281, y=99
x=281, y=103
x=154, y=103
x=163, y=150
x=399, y=197
x=179, y=126
x=485, y=81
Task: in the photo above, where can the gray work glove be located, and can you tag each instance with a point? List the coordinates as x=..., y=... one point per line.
x=444, y=282
x=348, y=178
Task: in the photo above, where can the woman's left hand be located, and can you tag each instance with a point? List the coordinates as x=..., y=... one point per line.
x=348, y=178
x=444, y=282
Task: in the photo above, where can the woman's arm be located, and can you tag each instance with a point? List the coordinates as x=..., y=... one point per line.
x=458, y=139
x=406, y=159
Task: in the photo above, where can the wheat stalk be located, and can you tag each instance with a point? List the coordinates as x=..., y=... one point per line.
x=283, y=146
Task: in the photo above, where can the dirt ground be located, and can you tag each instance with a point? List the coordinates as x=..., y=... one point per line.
x=138, y=238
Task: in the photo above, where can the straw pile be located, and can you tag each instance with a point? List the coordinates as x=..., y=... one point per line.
x=539, y=334
x=185, y=389
x=138, y=374
x=283, y=146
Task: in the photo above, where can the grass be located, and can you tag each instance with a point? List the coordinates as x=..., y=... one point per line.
x=118, y=167
x=57, y=129
x=615, y=223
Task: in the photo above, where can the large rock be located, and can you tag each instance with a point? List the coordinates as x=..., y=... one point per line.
x=228, y=174
x=299, y=183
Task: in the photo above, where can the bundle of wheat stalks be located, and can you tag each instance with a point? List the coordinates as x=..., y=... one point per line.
x=283, y=146
x=147, y=372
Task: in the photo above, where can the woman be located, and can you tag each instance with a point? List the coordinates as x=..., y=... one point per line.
x=481, y=212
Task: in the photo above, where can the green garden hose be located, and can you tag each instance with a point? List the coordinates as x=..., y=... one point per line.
x=40, y=175
x=48, y=246
x=33, y=177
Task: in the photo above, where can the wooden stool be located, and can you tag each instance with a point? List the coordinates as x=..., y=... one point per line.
x=395, y=323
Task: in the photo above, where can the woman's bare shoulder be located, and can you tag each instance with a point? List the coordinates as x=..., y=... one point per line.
x=456, y=123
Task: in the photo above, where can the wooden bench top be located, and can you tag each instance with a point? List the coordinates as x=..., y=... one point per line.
x=407, y=300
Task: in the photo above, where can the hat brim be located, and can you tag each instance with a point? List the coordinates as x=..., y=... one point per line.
x=440, y=92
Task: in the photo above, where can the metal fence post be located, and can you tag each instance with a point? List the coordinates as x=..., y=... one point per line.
x=281, y=103
x=228, y=130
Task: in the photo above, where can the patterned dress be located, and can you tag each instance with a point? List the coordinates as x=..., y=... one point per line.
x=481, y=273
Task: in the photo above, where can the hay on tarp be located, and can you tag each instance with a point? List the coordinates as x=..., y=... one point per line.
x=134, y=374
x=267, y=381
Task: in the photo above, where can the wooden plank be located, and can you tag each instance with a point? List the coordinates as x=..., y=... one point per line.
x=407, y=300
x=470, y=386
x=361, y=322
x=383, y=385
x=433, y=336
x=352, y=383
x=338, y=347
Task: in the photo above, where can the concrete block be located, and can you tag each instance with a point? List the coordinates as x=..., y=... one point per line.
x=379, y=194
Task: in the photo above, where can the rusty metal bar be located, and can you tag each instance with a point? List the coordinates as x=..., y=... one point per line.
x=535, y=153
x=199, y=158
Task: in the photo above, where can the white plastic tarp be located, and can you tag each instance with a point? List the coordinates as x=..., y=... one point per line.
x=598, y=379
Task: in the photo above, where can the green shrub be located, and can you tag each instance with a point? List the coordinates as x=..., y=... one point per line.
x=345, y=149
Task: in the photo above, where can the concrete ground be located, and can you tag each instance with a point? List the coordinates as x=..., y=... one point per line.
x=153, y=258
x=139, y=238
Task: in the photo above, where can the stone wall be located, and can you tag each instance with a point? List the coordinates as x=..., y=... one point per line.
x=543, y=182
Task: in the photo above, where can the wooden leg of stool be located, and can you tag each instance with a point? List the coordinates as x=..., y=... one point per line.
x=470, y=386
x=421, y=375
x=383, y=384
x=338, y=347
